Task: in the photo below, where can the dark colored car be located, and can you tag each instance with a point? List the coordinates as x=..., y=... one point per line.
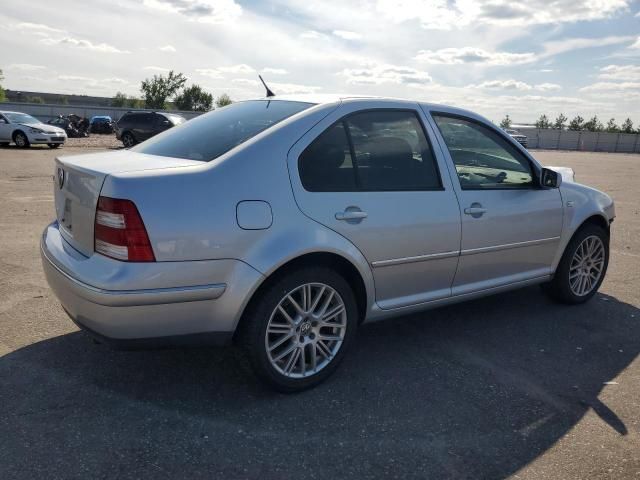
x=101, y=124
x=517, y=136
x=136, y=127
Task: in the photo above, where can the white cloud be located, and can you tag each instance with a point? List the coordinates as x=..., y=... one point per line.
x=26, y=26
x=570, y=44
x=278, y=88
x=25, y=67
x=347, y=35
x=155, y=68
x=620, y=72
x=636, y=44
x=611, y=86
x=455, y=56
x=378, y=74
x=240, y=68
x=274, y=71
x=546, y=70
x=167, y=48
x=203, y=11
x=448, y=14
x=73, y=78
x=84, y=44
x=511, y=84
x=209, y=72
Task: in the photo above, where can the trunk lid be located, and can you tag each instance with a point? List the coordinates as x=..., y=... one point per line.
x=78, y=181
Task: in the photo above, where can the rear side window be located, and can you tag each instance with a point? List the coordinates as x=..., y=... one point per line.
x=210, y=135
x=381, y=150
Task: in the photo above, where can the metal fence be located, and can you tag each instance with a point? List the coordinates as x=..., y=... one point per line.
x=584, y=141
x=46, y=111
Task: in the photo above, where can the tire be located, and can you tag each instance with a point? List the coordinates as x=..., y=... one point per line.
x=54, y=145
x=21, y=140
x=128, y=140
x=567, y=286
x=295, y=371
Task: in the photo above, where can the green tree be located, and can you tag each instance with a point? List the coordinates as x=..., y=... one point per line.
x=223, y=100
x=560, y=122
x=543, y=122
x=612, y=126
x=63, y=100
x=506, y=122
x=627, y=126
x=157, y=90
x=35, y=100
x=593, y=125
x=133, y=102
x=2, y=95
x=194, y=99
x=577, y=123
x=120, y=100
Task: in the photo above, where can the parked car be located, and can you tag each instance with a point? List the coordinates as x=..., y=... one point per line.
x=136, y=127
x=25, y=130
x=268, y=223
x=517, y=136
x=101, y=124
x=74, y=125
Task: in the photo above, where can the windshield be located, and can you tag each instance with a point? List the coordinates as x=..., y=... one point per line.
x=210, y=135
x=21, y=118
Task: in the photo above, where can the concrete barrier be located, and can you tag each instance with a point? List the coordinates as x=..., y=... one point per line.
x=45, y=111
x=552, y=139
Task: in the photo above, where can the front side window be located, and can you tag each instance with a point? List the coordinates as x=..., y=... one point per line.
x=379, y=150
x=210, y=135
x=482, y=157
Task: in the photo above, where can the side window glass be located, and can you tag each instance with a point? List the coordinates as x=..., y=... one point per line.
x=392, y=152
x=483, y=159
x=326, y=164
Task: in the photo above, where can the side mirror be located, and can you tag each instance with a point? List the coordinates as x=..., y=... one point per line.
x=550, y=178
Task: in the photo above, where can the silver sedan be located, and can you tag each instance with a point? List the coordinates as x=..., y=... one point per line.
x=284, y=223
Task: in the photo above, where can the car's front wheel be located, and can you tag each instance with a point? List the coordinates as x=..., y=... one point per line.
x=300, y=327
x=128, y=140
x=21, y=140
x=582, y=267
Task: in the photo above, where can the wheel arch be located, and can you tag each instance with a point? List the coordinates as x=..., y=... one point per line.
x=16, y=131
x=336, y=262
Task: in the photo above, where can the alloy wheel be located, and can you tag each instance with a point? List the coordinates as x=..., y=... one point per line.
x=587, y=266
x=306, y=330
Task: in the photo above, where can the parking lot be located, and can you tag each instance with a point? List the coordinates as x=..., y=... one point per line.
x=508, y=386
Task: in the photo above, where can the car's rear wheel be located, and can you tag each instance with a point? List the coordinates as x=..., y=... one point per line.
x=128, y=140
x=582, y=267
x=54, y=145
x=299, y=329
x=21, y=140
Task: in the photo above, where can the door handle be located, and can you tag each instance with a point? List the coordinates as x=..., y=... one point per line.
x=349, y=214
x=475, y=210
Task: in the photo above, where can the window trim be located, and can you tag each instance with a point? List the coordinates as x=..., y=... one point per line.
x=535, y=180
x=344, y=120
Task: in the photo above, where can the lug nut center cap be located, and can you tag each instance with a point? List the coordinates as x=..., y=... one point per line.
x=305, y=328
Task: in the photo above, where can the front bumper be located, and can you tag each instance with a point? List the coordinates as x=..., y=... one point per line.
x=45, y=138
x=147, y=303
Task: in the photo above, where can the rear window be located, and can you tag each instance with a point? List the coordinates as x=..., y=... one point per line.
x=208, y=136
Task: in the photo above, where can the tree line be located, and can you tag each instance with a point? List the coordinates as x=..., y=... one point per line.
x=160, y=89
x=579, y=124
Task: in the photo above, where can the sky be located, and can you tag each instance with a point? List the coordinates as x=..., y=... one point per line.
x=494, y=57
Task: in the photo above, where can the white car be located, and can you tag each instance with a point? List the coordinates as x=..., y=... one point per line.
x=25, y=130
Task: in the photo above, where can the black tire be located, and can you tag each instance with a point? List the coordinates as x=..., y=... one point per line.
x=559, y=288
x=128, y=140
x=20, y=139
x=253, y=329
x=54, y=145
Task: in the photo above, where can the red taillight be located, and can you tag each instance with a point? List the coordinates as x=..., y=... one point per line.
x=120, y=233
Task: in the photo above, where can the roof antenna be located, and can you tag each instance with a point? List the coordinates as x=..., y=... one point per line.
x=269, y=92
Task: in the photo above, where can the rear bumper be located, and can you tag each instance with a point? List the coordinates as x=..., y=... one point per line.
x=151, y=304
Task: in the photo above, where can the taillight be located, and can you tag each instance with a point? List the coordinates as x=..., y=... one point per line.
x=120, y=233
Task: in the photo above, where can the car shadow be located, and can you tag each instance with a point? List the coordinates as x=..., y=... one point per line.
x=476, y=390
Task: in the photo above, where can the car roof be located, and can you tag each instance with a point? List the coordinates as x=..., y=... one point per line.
x=10, y=111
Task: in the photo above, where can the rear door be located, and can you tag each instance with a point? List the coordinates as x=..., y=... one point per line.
x=373, y=177
x=510, y=225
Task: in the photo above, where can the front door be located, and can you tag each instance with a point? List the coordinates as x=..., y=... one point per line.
x=373, y=177
x=5, y=129
x=510, y=225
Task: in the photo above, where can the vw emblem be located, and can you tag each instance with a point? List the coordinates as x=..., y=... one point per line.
x=60, y=177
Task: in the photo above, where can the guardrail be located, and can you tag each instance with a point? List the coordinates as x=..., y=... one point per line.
x=584, y=141
x=47, y=111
